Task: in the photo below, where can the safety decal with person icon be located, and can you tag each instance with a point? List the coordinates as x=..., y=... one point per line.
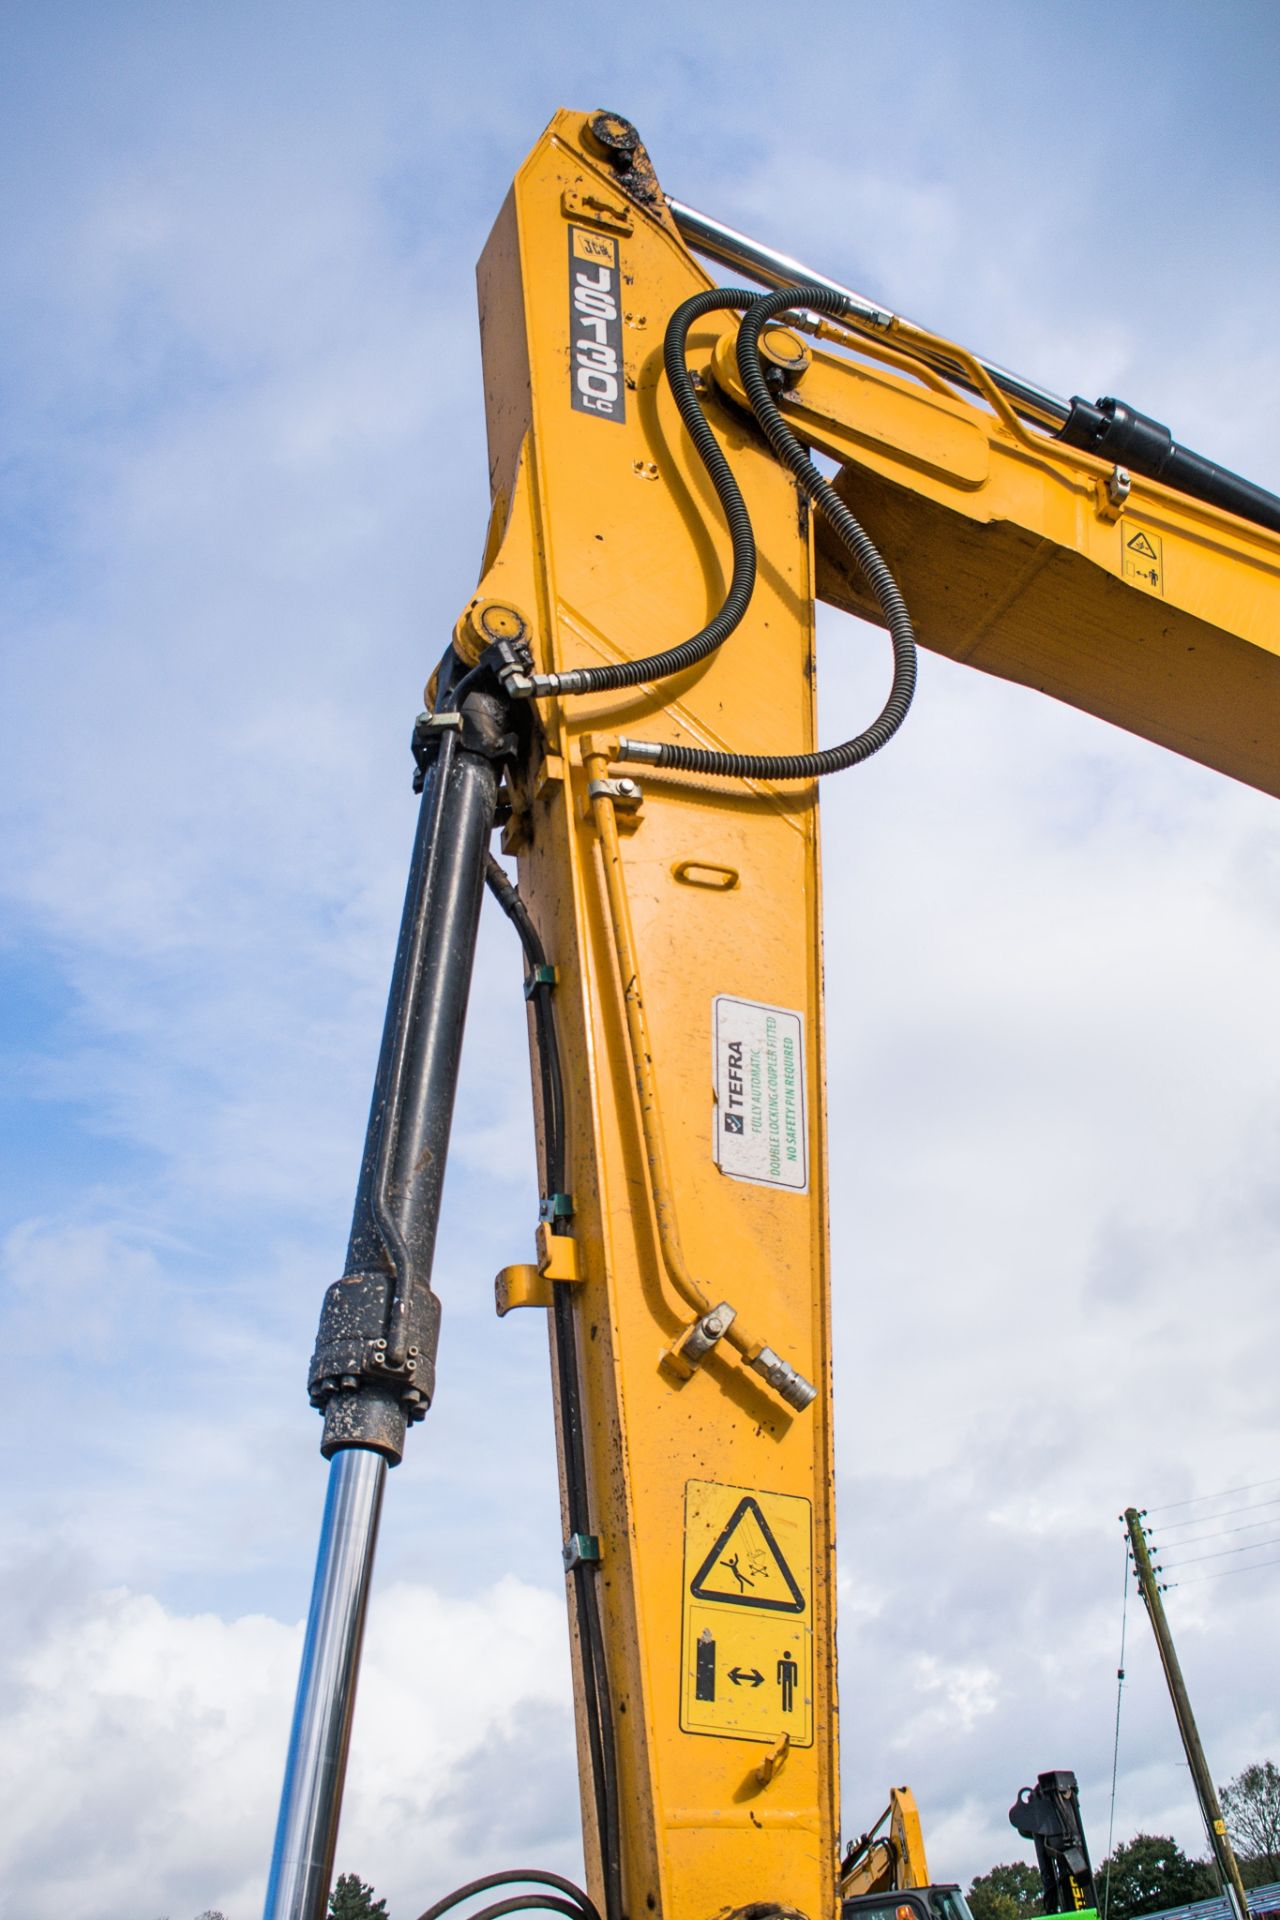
x=747, y=1641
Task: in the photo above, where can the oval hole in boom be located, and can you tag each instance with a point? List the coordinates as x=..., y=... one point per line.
x=705, y=873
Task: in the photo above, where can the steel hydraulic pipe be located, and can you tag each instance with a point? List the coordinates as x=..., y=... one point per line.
x=744, y=255
x=302, y=1860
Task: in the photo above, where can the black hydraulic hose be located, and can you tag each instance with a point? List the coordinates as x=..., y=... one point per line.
x=611, y=1835
x=856, y=541
x=451, y=701
x=599, y=1714
x=528, y=1901
x=538, y=991
x=582, y=1904
x=657, y=666
x=525, y=1902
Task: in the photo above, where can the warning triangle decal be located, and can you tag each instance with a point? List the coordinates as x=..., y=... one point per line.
x=745, y=1568
x=1141, y=544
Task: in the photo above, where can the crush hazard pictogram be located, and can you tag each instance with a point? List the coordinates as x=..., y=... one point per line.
x=1142, y=560
x=746, y=1568
x=747, y=1661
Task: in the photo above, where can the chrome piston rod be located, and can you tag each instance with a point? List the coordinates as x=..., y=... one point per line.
x=737, y=250
x=302, y=1861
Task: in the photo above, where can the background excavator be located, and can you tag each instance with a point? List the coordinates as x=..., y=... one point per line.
x=1049, y=1815
x=885, y=1872
x=629, y=695
x=889, y=1855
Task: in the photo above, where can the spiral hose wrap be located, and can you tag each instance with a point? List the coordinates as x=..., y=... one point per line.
x=657, y=666
x=852, y=536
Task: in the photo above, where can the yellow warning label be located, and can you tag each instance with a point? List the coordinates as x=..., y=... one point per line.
x=594, y=246
x=747, y=1642
x=1142, y=557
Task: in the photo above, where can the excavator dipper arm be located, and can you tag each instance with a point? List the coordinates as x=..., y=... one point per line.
x=631, y=689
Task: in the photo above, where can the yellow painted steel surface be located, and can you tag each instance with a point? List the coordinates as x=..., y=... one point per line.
x=610, y=541
x=684, y=927
x=908, y=1838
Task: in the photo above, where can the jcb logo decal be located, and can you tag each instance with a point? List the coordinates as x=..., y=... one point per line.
x=595, y=326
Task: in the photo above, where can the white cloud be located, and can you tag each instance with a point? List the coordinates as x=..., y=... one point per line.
x=248, y=404
x=142, y=1751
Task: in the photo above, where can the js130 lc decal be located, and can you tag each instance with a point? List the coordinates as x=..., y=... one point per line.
x=595, y=361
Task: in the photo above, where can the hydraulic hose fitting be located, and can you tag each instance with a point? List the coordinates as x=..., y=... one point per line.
x=572, y=680
x=783, y=1378
x=646, y=752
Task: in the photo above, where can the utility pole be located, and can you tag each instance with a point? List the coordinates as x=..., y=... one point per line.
x=1215, y=1826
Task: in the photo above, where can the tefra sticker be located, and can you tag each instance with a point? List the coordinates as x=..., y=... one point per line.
x=759, y=1123
x=595, y=326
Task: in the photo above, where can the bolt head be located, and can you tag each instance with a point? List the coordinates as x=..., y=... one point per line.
x=616, y=136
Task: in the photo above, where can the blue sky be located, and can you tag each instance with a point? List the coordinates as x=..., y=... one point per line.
x=244, y=496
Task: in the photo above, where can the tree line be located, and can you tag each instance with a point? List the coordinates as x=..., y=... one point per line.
x=352, y=1899
x=1151, y=1871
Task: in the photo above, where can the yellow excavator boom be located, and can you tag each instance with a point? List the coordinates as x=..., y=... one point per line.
x=882, y=1862
x=664, y=820
x=682, y=913
x=682, y=919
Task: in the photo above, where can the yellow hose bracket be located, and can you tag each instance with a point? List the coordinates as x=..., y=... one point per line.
x=557, y=1255
x=520, y=1286
x=525, y=1285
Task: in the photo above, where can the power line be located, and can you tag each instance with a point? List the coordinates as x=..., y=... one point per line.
x=1176, y=1546
x=1228, y=1513
x=1222, y=1553
x=1196, y=1498
x=1226, y=1573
